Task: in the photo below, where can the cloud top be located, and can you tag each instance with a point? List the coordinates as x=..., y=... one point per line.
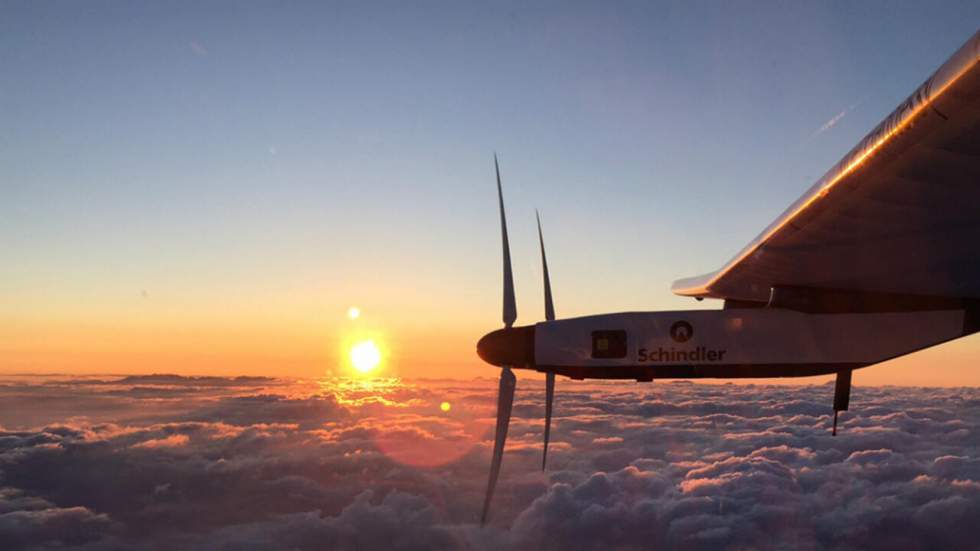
x=212, y=463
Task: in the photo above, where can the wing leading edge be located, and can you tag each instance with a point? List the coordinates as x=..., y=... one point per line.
x=900, y=213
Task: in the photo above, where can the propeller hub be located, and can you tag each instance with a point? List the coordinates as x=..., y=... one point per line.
x=513, y=346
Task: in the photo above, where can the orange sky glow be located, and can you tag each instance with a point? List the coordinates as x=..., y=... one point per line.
x=275, y=345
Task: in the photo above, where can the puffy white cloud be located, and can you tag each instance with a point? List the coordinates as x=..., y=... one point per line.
x=211, y=463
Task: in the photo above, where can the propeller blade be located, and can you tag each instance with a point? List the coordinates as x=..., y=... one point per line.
x=548, y=405
x=505, y=399
x=549, y=315
x=549, y=306
x=510, y=303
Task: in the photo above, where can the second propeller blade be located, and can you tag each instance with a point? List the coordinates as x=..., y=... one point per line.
x=505, y=402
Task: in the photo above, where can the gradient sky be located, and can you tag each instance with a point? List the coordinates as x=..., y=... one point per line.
x=206, y=188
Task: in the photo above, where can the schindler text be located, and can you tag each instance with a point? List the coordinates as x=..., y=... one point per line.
x=698, y=354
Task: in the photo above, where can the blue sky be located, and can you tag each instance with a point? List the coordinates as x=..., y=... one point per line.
x=314, y=155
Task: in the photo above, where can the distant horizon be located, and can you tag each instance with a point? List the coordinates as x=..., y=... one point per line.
x=818, y=380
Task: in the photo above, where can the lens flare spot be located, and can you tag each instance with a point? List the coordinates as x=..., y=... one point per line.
x=353, y=312
x=445, y=406
x=365, y=356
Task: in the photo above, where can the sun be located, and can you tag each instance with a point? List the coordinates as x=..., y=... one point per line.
x=365, y=356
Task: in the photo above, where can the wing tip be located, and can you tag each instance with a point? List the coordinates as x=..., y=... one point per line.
x=695, y=287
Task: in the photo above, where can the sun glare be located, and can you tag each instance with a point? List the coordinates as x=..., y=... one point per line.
x=365, y=356
x=354, y=312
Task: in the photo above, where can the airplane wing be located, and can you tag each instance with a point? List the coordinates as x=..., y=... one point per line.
x=899, y=214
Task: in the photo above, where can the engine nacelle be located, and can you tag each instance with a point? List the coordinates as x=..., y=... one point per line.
x=734, y=343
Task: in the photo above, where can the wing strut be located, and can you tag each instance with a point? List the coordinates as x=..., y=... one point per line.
x=842, y=394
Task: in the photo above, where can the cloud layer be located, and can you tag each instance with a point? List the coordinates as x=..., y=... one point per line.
x=211, y=463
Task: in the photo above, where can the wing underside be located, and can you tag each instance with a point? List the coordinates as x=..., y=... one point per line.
x=900, y=213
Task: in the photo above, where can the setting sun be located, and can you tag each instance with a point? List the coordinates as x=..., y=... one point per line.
x=365, y=356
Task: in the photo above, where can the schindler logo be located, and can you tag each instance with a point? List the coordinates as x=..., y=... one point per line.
x=681, y=331
x=671, y=355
